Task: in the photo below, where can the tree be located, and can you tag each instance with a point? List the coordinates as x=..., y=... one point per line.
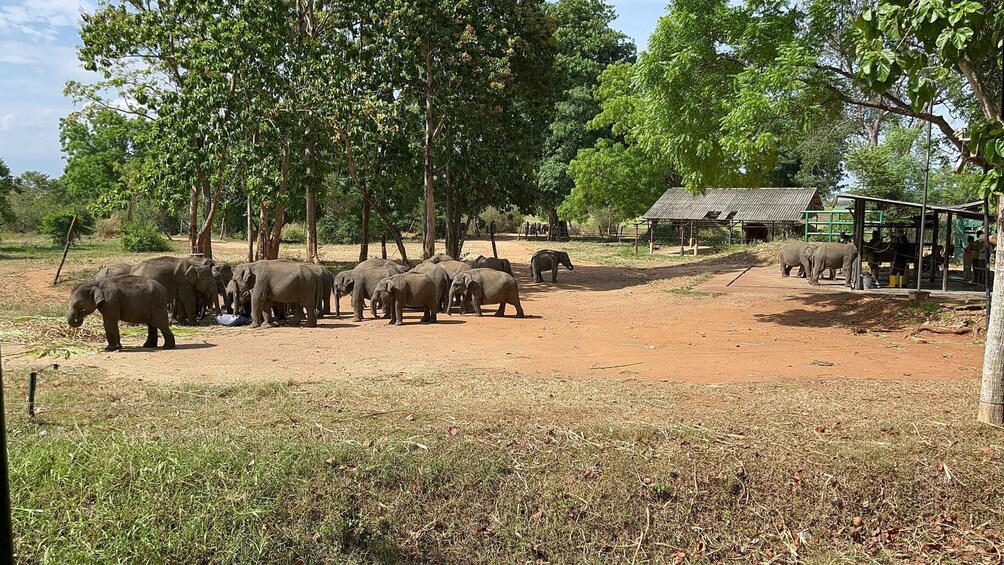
x=6, y=187
x=586, y=46
x=100, y=146
x=927, y=47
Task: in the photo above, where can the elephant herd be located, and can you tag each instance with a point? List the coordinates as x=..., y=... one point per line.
x=814, y=258
x=152, y=291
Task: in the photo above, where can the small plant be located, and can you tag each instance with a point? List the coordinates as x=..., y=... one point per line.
x=294, y=233
x=56, y=225
x=141, y=238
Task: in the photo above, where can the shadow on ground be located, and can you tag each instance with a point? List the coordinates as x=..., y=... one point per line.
x=824, y=310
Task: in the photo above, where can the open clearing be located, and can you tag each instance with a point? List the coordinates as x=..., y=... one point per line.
x=646, y=411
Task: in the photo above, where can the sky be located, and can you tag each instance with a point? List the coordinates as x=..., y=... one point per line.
x=38, y=40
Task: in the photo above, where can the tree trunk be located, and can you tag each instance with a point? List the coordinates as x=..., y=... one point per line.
x=313, y=255
x=364, y=243
x=452, y=221
x=250, y=233
x=552, y=219
x=208, y=213
x=193, y=213
x=429, y=235
x=367, y=196
x=991, y=409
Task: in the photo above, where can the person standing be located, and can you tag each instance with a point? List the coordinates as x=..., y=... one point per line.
x=967, y=259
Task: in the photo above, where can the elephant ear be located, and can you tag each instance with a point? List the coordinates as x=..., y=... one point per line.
x=98, y=295
x=246, y=276
x=192, y=275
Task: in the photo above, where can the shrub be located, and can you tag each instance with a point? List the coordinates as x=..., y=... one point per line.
x=57, y=224
x=505, y=221
x=110, y=228
x=143, y=237
x=294, y=233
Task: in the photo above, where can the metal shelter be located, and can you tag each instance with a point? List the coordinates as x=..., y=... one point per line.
x=759, y=209
x=965, y=211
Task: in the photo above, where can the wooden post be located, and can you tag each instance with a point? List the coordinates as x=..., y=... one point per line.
x=934, y=247
x=383, y=246
x=693, y=237
x=730, y=233
x=682, y=250
x=651, y=235
x=636, y=239
x=66, y=248
x=948, y=245
x=491, y=234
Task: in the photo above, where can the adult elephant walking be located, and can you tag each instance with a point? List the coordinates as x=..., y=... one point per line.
x=548, y=260
x=185, y=281
x=278, y=280
x=486, y=286
x=831, y=256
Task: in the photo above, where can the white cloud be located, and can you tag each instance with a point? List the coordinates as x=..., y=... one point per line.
x=7, y=122
x=41, y=19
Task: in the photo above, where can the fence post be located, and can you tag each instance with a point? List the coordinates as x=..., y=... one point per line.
x=66, y=249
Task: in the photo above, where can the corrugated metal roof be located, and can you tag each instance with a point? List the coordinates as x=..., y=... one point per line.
x=736, y=204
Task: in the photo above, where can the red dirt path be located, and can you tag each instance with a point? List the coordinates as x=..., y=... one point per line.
x=596, y=321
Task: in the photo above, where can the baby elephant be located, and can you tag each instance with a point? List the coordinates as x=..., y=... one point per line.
x=127, y=298
x=407, y=289
x=486, y=286
x=548, y=260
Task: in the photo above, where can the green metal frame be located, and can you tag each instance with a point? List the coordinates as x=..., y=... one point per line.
x=835, y=222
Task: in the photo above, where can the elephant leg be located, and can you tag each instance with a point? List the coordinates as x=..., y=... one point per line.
x=398, y=318
x=151, y=337
x=357, y=303
x=426, y=315
x=519, y=308
x=536, y=273
x=477, y=306
x=257, y=315
x=554, y=274
x=188, y=305
x=432, y=308
x=501, y=310
x=112, y=336
x=312, y=317
x=161, y=322
x=298, y=313
x=338, y=305
x=785, y=269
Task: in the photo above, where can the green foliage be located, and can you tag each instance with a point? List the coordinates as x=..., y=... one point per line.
x=294, y=233
x=509, y=221
x=6, y=187
x=142, y=237
x=101, y=153
x=615, y=176
x=57, y=224
x=34, y=196
x=891, y=169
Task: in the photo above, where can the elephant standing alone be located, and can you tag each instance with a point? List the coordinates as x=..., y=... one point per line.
x=548, y=260
x=126, y=298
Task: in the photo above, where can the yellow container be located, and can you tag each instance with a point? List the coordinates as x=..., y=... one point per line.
x=893, y=282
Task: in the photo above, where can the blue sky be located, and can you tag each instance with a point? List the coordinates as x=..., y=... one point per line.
x=38, y=40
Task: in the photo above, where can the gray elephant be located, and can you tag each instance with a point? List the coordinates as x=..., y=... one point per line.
x=369, y=263
x=116, y=270
x=486, y=286
x=831, y=256
x=440, y=278
x=452, y=267
x=360, y=283
x=327, y=287
x=183, y=279
x=548, y=260
x=440, y=258
x=483, y=262
x=278, y=280
x=407, y=289
x=126, y=298
x=791, y=255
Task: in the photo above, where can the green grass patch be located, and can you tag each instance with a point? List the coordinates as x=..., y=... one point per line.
x=687, y=289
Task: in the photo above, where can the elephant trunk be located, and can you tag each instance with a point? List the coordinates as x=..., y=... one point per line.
x=74, y=320
x=374, y=303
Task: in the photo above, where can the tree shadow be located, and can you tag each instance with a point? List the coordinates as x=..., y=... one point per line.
x=592, y=278
x=845, y=310
x=177, y=346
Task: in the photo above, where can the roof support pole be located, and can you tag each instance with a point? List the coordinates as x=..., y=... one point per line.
x=934, y=248
x=651, y=235
x=859, y=244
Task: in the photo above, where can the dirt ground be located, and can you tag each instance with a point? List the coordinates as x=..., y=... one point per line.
x=679, y=323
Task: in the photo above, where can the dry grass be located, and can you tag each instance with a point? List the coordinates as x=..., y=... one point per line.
x=496, y=468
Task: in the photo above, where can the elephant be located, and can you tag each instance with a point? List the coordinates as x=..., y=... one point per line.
x=791, y=255
x=115, y=270
x=440, y=278
x=279, y=280
x=407, y=289
x=127, y=298
x=483, y=262
x=831, y=256
x=369, y=263
x=327, y=287
x=440, y=258
x=548, y=259
x=182, y=278
x=452, y=267
x=360, y=283
x=486, y=286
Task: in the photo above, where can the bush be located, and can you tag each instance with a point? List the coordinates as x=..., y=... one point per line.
x=110, y=228
x=143, y=237
x=294, y=233
x=57, y=224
